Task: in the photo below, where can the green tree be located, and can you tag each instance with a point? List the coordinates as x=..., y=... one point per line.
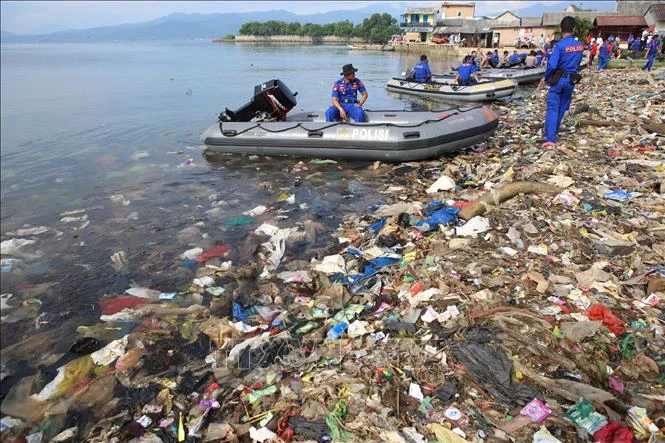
x=249, y=28
x=343, y=29
x=582, y=27
x=379, y=28
x=294, y=28
x=312, y=30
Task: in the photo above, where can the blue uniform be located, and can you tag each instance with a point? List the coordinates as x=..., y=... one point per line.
x=514, y=59
x=347, y=94
x=494, y=60
x=566, y=55
x=636, y=45
x=539, y=59
x=465, y=70
x=422, y=72
x=651, y=55
x=603, y=55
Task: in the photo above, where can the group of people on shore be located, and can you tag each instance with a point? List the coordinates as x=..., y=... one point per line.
x=562, y=59
x=609, y=48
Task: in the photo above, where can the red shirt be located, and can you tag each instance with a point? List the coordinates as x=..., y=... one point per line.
x=594, y=48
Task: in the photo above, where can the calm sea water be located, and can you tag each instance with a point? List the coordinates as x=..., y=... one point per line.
x=68, y=108
x=111, y=131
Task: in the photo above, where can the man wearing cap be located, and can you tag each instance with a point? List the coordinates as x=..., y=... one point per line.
x=345, y=97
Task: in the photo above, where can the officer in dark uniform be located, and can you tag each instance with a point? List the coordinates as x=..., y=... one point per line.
x=562, y=64
x=652, y=50
x=466, y=73
x=603, y=55
x=345, y=97
x=494, y=59
x=421, y=70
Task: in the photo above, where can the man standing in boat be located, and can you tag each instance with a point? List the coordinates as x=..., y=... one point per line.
x=345, y=97
x=561, y=75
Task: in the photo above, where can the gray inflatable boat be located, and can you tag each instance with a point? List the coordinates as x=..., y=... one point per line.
x=484, y=91
x=520, y=74
x=262, y=127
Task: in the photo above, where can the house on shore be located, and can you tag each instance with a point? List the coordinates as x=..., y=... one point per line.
x=655, y=18
x=619, y=26
x=417, y=24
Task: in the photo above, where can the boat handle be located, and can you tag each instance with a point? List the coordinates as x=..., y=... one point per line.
x=412, y=134
x=315, y=134
x=490, y=94
x=229, y=132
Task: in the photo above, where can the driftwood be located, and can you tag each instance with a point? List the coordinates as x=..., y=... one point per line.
x=500, y=195
x=591, y=122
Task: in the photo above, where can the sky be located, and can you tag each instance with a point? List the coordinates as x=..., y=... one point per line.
x=41, y=17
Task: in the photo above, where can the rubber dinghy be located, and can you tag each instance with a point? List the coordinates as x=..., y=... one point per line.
x=262, y=127
x=483, y=91
x=521, y=74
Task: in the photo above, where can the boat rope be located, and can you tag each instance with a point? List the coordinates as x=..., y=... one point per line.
x=258, y=125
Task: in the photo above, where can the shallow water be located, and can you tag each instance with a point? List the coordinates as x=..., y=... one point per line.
x=111, y=130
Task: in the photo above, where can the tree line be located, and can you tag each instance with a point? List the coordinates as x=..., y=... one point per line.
x=378, y=28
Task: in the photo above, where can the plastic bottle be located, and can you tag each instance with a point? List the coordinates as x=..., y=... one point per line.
x=336, y=331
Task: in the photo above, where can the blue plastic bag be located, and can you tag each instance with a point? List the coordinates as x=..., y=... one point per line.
x=618, y=195
x=443, y=216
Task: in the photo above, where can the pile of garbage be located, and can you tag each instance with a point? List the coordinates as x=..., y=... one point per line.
x=507, y=294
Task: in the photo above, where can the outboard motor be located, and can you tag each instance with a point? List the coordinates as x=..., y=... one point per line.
x=271, y=102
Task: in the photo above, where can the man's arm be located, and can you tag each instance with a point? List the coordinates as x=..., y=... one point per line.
x=363, y=98
x=552, y=63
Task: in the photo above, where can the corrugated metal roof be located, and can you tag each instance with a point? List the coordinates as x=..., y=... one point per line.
x=532, y=21
x=461, y=30
x=622, y=20
x=421, y=11
x=554, y=18
x=659, y=11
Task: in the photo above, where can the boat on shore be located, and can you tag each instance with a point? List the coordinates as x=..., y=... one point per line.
x=371, y=47
x=521, y=74
x=484, y=91
x=263, y=127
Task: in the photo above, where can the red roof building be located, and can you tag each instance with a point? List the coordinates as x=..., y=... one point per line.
x=619, y=26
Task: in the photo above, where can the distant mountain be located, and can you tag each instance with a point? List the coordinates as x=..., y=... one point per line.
x=538, y=9
x=200, y=26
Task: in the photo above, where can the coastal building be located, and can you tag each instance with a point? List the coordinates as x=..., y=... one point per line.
x=635, y=7
x=417, y=24
x=655, y=18
x=456, y=22
x=458, y=10
x=619, y=26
